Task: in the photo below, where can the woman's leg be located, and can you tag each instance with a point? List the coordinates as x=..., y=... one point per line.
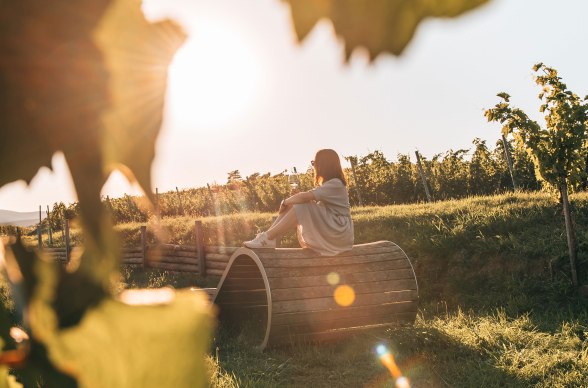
x=285, y=222
x=278, y=219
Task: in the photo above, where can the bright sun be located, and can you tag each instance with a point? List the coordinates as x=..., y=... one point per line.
x=214, y=78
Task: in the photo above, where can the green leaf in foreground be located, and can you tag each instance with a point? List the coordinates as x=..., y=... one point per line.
x=378, y=25
x=160, y=341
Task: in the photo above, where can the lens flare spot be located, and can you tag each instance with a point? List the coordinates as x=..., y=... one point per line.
x=333, y=278
x=402, y=382
x=387, y=359
x=344, y=295
x=155, y=296
x=381, y=350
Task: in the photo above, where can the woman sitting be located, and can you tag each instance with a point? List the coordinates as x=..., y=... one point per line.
x=322, y=215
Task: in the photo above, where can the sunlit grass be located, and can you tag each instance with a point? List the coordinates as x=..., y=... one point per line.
x=457, y=350
x=496, y=305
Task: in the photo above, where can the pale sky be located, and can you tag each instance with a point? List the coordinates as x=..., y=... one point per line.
x=244, y=95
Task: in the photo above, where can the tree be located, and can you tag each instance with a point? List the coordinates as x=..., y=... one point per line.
x=558, y=151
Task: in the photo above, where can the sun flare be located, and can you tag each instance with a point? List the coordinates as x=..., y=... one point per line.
x=214, y=78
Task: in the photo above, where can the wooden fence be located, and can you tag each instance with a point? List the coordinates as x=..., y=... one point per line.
x=199, y=259
x=178, y=258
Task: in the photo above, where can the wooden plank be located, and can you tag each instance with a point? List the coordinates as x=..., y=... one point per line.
x=332, y=261
x=172, y=260
x=234, y=316
x=343, y=322
x=243, y=271
x=241, y=297
x=174, y=267
x=242, y=306
x=300, y=318
x=170, y=253
x=244, y=284
x=350, y=278
x=220, y=249
x=174, y=247
x=337, y=334
x=216, y=265
x=188, y=248
x=341, y=269
x=254, y=282
x=328, y=290
x=217, y=257
x=360, y=249
x=318, y=304
x=214, y=272
x=186, y=254
x=243, y=265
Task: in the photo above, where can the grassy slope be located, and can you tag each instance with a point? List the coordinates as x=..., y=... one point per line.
x=456, y=246
x=496, y=305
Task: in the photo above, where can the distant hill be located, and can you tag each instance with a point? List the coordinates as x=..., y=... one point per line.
x=8, y=217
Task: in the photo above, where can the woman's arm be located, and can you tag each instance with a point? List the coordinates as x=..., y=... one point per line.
x=305, y=196
x=302, y=197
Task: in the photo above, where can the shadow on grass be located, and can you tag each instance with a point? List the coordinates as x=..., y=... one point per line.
x=427, y=357
x=430, y=358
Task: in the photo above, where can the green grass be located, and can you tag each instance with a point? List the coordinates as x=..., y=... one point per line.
x=456, y=350
x=496, y=307
x=483, y=244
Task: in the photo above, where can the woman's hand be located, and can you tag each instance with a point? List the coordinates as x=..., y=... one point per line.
x=301, y=197
x=283, y=207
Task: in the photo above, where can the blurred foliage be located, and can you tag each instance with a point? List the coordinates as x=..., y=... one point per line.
x=378, y=25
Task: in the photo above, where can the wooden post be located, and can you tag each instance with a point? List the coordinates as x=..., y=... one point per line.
x=200, y=249
x=49, y=226
x=509, y=162
x=423, y=177
x=157, y=209
x=569, y=231
x=39, y=237
x=66, y=234
x=212, y=205
x=181, y=210
x=40, y=231
x=144, y=244
x=352, y=160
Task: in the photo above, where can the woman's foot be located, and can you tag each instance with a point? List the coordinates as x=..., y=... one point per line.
x=260, y=241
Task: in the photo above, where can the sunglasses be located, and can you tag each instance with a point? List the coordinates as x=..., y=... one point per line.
x=312, y=163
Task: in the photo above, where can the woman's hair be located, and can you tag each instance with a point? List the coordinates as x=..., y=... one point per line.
x=327, y=166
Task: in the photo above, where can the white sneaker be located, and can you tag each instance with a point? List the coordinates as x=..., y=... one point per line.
x=260, y=241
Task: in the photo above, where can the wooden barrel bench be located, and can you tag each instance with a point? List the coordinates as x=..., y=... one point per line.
x=291, y=294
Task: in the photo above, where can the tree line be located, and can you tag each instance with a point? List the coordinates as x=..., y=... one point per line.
x=374, y=180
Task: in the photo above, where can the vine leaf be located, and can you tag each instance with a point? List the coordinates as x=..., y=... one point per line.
x=86, y=78
x=378, y=25
x=148, y=345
